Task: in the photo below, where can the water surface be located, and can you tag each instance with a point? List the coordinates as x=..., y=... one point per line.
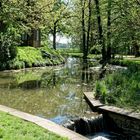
x=55, y=93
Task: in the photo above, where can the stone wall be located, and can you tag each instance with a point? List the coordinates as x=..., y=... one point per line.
x=118, y=120
x=128, y=127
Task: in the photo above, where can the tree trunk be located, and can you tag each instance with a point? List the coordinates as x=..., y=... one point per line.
x=89, y=28
x=54, y=35
x=100, y=30
x=83, y=30
x=109, y=30
x=137, y=49
x=2, y=25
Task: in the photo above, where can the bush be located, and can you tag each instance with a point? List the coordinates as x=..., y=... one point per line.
x=32, y=57
x=121, y=89
x=8, y=51
x=101, y=91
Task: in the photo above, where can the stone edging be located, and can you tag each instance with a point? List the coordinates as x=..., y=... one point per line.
x=49, y=125
x=96, y=105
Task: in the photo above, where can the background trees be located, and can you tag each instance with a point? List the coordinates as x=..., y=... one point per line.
x=16, y=18
x=108, y=27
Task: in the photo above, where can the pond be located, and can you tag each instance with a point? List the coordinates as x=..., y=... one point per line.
x=55, y=93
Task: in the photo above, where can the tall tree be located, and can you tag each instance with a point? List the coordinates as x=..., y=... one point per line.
x=89, y=28
x=83, y=29
x=56, y=19
x=100, y=29
x=108, y=55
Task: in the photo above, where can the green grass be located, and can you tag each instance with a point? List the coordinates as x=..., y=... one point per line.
x=13, y=128
x=69, y=50
x=126, y=61
x=77, y=53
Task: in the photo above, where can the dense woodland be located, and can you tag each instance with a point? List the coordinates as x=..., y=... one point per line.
x=108, y=27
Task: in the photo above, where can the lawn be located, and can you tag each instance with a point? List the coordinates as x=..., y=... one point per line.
x=13, y=128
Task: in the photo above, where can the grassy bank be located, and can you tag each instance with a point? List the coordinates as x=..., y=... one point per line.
x=121, y=88
x=13, y=128
x=71, y=52
x=77, y=53
x=33, y=57
x=126, y=61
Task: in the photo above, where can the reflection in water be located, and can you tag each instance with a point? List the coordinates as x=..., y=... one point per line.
x=86, y=74
x=55, y=93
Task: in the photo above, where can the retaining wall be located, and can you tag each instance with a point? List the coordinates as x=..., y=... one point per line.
x=119, y=120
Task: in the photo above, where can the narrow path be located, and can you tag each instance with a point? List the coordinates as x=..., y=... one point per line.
x=49, y=125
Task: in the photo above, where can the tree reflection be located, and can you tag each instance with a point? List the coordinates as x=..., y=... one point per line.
x=87, y=76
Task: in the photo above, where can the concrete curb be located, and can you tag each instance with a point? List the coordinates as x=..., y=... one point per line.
x=49, y=125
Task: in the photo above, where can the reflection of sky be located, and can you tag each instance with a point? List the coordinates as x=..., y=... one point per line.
x=61, y=39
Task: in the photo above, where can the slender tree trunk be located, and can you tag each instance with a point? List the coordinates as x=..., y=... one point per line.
x=83, y=29
x=89, y=28
x=136, y=49
x=100, y=30
x=109, y=30
x=1, y=22
x=54, y=35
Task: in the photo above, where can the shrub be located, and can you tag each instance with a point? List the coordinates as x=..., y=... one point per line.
x=121, y=89
x=32, y=57
x=101, y=91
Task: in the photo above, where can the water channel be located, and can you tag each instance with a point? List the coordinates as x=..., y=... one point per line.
x=55, y=93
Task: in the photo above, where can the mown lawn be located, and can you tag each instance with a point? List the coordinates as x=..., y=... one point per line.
x=13, y=128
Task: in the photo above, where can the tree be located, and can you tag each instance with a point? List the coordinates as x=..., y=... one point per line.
x=83, y=30
x=16, y=18
x=11, y=15
x=56, y=19
x=108, y=55
x=100, y=29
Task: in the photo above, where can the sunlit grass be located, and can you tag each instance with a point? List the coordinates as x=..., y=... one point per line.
x=13, y=128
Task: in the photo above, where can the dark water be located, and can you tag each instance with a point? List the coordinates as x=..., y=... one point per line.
x=55, y=93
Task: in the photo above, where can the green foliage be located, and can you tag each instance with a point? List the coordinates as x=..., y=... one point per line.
x=101, y=91
x=96, y=49
x=55, y=54
x=12, y=128
x=8, y=51
x=120, y=22
x=17, y=18
x=133, y=64
x=31, y=57
x=121, y=89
